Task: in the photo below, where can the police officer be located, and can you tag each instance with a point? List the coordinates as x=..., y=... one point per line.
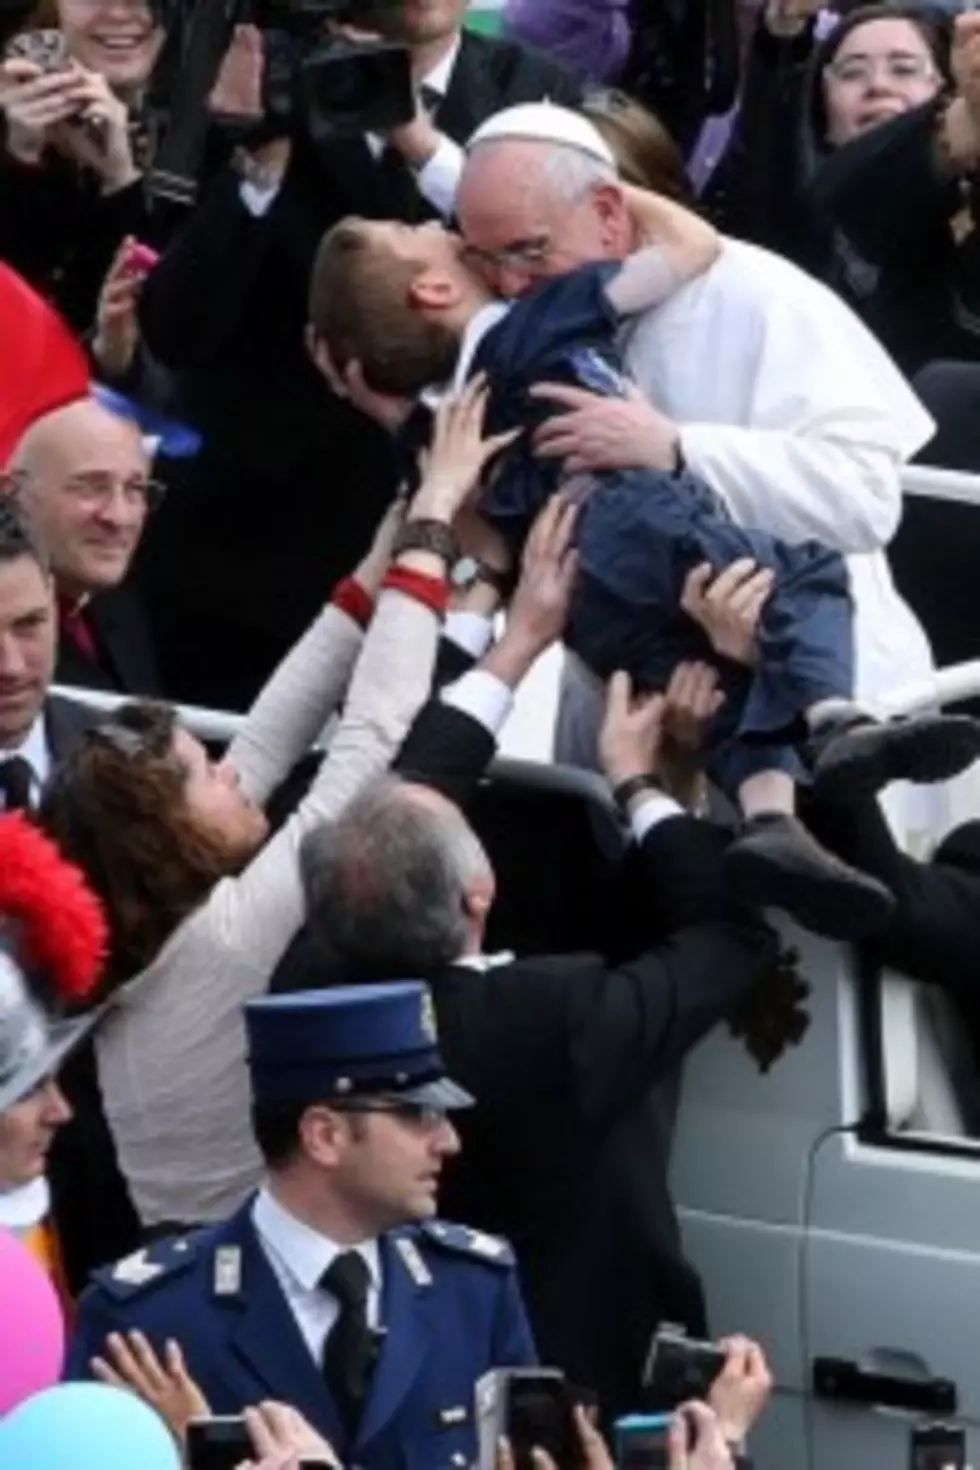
x=335, y=1289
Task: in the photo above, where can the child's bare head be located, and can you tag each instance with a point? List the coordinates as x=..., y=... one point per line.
x=395, y=298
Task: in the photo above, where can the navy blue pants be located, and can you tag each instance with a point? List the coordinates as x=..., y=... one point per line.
x=640, y=534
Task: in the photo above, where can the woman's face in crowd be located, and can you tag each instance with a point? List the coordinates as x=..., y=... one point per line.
x=114, y=37
x=219, y=807
x=882, y=68
x=27, y=1132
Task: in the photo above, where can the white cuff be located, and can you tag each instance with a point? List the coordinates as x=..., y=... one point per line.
x=438, y=179
x=470, y=631
x=650, y=813
x=257, y=200
x=483, y=696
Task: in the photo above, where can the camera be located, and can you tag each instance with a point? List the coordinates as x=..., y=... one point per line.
x=679, y=1368
x=314, y=82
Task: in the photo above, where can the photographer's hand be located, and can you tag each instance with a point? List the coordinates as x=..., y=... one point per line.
x=741, y=1392
x=33, y=102
x=103, y=145
x=709, y=1452
x=595, y=1455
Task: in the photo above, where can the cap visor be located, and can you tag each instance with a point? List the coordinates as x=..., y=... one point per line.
x=65, y=1037
x=443, y=1094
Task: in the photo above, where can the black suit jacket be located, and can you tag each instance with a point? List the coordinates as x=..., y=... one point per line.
x=574, y=1060
x=291, y=481
x=126, y=659
x=82, y=1168
x=66, y=723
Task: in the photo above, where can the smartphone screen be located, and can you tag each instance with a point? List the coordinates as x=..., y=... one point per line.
x=642, y=1442
x=218, y=1444
x=539, y=1416
x=938, y=1447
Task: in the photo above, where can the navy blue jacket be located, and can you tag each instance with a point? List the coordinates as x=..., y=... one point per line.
x=641, y=531
x=451, y=1308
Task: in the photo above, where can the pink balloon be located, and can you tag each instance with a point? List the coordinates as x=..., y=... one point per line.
x=32, y=1325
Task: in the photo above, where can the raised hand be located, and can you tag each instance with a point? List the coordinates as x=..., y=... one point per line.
x=458, y=453
x=165, y=1385
x=549, y=567
x=98, y=137
x=117, y=332
x=631, y=738
x=282, y=1439
x=33, y=102
x=729, y=606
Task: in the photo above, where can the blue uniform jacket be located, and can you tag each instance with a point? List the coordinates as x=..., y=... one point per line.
x=451, y=1310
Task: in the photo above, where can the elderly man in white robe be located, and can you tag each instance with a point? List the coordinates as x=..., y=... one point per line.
x=754, y=376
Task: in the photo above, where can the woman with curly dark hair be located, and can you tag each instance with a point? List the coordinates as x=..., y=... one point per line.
x=200, y=905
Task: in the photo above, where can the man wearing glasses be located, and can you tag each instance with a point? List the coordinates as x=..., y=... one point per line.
x=82, y=475
x=336, y=1289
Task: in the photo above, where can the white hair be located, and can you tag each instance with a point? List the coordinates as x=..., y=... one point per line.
x=570, y=172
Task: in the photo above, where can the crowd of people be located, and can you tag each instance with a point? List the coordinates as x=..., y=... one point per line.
x=623, y=341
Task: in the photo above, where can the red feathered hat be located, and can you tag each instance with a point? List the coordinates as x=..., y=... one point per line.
x=53, y=938
x=42, y=366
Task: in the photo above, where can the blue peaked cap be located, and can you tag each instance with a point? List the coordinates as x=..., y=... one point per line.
x=176, y=440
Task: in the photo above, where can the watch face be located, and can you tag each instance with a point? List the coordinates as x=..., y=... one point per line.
x=465, y=573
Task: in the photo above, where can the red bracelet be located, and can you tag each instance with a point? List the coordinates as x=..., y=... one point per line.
x=352, y=599
x=432, y=591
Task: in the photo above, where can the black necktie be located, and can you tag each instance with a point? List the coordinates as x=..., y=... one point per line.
x=351, y=1351
x=430, y=99
x=16, y=780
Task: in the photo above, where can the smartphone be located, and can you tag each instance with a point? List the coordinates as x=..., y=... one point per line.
x=141, y=258
x=46, y=48
x=641, y=1442
x=679, y=1368
x=221, y=1443
x=533, y=1408
x=937, y=1447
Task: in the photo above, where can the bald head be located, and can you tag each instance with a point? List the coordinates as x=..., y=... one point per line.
x=85, y=475
x=548, y=206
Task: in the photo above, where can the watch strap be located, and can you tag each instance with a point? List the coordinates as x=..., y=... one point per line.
x=427, y=535
x=624, y=792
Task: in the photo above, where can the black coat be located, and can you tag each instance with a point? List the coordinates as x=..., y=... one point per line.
x=92, y=1210
x=575, y=1060
x=126, y=659
x=291, y=482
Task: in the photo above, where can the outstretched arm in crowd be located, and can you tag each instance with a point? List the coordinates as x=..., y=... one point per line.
x=676, y=245
x=392, y=679
x=454, y=738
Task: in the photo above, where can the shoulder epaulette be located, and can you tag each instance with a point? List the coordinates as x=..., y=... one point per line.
x=490, y=1249
x=148, y=1267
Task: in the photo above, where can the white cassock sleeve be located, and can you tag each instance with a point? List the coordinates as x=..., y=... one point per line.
x=826, y=423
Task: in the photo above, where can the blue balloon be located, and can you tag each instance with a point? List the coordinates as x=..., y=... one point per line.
x=86, y=1426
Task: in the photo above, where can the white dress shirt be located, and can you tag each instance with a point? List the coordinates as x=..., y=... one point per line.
x=800, y=420
x=437, y=179
x=299, y=1256
x=34, y=749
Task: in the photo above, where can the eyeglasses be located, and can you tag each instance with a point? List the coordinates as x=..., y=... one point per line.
x=897, y=67
x=421, y=1115
x=521, y=255
x=95, y=489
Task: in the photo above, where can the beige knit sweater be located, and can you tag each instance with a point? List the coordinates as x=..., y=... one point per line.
x=171, y=1053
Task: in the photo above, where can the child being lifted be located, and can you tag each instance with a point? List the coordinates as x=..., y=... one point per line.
x=401, y=301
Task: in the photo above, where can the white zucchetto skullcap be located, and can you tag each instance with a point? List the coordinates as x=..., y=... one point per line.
x=544, y=122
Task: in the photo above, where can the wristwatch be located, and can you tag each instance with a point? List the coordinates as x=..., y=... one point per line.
x=624, y=792
x=469, y=570
x=427, y=535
